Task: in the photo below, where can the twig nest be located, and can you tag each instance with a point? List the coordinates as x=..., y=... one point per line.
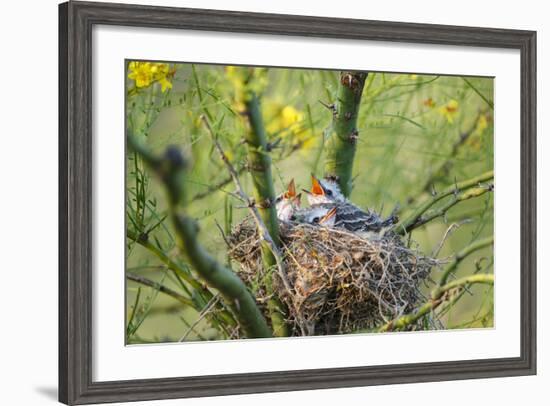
x=340, y=282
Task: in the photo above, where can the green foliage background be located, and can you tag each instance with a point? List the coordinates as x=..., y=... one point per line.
x=412, y=127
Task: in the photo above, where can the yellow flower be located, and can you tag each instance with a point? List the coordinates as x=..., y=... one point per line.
x=162, y=74
x=449, y=111
x=164, y=84
x=283, y=120
x=144, y=74
x=141, y=73
x=288, y=122
x=291, y=118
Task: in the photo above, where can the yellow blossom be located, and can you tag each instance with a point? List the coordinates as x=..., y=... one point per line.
x=144, y=74
x=449, y=111
x=291, y=118
x=288, y=122
x=141, y=73
x=165, y=84
x=283, y=120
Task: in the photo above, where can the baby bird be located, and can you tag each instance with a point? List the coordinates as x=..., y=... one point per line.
x=323, y=215
x=324, y=191
x=347, y=216
x=288, y=202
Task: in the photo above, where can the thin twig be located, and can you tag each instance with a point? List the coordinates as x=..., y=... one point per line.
x=160, y=287
x=222, y=233
x=202, y=315
x=452, y=228
x=460, y=256
x=217, y=186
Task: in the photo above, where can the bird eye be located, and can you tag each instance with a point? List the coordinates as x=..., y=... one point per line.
x=278, y=199
x=316, y=220
x=329, y=192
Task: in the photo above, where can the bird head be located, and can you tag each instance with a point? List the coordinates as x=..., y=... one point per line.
x=287, y=202
x=321, y=215
x=324, y=191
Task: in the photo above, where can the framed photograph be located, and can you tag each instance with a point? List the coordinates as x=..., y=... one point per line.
x=259, y=202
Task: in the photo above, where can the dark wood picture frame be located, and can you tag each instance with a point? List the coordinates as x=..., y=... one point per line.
x=76, y=20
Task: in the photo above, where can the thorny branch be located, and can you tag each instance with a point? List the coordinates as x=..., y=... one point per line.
x=419, y=216
x=342, y=143
x=459, y=197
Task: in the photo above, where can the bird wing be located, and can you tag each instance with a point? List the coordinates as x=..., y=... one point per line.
x=354, y=219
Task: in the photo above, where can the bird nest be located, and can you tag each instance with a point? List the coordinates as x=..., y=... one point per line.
x=338, y=282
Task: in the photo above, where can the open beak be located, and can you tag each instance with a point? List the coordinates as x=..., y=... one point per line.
x=331, y=213
x=316, y=188
x=291, y=190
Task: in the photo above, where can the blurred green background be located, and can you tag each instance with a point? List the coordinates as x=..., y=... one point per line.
x=414, y=131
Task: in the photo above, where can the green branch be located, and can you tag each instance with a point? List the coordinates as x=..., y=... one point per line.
x=342, y=142
x=259, y=166
x=171, y=170
x=438, y=296
x=441, y=211
x=416, y=217
x=475, y=246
